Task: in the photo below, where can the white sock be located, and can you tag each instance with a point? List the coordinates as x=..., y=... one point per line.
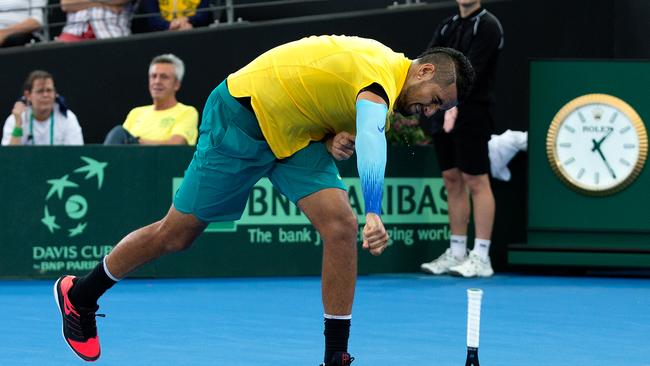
x=482, y=248
x=458, y=245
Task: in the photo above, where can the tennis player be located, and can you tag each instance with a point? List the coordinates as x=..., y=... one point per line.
x=278, y=117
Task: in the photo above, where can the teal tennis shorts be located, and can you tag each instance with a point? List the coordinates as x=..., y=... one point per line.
x=232, y=155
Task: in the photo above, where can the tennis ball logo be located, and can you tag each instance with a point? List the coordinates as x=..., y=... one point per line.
x=75, y=206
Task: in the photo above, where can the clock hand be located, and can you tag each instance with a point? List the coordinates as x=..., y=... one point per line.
x=611, y=171
x=597, y=144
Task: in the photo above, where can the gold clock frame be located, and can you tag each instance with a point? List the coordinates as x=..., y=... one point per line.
x=563, y=113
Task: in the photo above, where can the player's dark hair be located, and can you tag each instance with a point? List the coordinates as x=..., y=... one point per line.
x=451, y=66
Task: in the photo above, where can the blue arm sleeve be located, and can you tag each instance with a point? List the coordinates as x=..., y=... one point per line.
x=371, y=152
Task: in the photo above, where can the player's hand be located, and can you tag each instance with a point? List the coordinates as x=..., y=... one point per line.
x=450, y=119
x=375, y=238
x=341, y=146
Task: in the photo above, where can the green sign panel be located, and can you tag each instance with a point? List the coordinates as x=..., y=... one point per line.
x=66, y=207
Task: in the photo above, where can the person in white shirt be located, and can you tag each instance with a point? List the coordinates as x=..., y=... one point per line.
x=40, y=116
x=19, y=20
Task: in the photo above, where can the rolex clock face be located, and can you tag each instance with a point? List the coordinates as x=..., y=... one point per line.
x=597, y=144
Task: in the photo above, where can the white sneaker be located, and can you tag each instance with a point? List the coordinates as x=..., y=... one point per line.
x=473, y=266
x=441, y=264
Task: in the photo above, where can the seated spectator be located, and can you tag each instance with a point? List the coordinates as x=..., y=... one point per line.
x=19, y=20
x=91, y=19
x=166, y=121
x=40, y=117
x=176, y=15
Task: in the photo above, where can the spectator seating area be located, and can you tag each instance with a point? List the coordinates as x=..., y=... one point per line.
x=226, y=12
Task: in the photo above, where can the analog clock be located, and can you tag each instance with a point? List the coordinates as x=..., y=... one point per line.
x=597, y=144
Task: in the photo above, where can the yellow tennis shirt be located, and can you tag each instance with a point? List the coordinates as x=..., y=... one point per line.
x=151, y=124
x=304, y=90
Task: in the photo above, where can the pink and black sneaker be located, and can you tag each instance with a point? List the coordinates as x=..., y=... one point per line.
x=79, y=328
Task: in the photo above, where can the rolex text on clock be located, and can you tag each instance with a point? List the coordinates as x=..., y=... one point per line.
x=597, y=144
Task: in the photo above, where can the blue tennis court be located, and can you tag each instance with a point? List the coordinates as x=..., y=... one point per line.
x=397, y=320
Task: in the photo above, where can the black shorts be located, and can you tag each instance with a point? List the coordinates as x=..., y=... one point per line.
x=466, y=147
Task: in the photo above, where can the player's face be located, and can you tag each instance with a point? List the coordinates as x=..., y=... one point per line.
x=162, y=81
x=426, y=97
x=42, y=95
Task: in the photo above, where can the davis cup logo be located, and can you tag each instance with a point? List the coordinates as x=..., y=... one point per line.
x=73, y=207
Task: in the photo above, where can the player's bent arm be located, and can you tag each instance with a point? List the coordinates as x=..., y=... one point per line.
x=371, y=148
x=340, y=146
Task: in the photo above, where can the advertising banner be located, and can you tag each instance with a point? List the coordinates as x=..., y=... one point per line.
x=65, y=208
